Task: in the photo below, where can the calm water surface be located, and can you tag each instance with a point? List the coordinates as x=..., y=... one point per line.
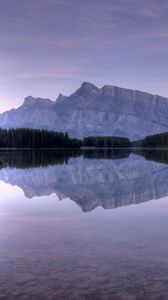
x=92, y=226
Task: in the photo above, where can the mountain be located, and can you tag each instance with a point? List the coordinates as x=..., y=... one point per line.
x=109, y=110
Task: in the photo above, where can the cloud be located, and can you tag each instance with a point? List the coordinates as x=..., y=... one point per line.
x=75, y=39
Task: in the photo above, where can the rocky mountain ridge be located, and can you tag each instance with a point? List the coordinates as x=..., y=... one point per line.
x=90, y=110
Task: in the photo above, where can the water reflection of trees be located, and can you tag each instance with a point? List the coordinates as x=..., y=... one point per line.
x=33, y=159
x=157, y=155
x=36, y=158
x=106, y=153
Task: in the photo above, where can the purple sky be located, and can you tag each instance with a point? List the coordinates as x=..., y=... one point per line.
x=51, y=46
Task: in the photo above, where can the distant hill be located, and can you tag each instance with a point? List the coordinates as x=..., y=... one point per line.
x=93, y=111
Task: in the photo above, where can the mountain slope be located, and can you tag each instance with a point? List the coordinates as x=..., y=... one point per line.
x=109, y=110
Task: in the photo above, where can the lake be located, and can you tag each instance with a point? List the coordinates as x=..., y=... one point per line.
x=84, y=225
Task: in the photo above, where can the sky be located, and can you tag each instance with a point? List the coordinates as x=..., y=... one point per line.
x=49, y=47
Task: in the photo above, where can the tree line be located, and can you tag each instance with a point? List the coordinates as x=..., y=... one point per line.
x=35, y=138
x=106, y=142
x=42, y=139
x=153, y=141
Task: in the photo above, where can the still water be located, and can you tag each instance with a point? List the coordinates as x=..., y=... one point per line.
x=85, y=226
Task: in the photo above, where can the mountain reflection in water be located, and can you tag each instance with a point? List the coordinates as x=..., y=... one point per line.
x=50, y=249
x=91, y=178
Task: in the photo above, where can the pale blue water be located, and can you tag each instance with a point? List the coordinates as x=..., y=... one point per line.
x=85, y=229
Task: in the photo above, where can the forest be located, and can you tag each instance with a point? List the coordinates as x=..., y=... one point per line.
x=106, y=142
x=42, y=139
x=153, y=141
x=34, y=138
